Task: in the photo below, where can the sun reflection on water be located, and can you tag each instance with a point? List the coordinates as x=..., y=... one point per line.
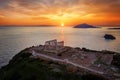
x=61, y=34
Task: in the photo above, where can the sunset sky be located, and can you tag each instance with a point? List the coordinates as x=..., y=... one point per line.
x=56, y=12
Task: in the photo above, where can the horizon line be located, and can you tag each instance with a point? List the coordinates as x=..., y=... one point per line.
x=52, y=25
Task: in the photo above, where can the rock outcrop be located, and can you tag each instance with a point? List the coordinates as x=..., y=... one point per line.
x=109, y=37
x=24, y=66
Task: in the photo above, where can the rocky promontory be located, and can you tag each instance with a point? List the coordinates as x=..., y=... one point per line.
x=35, y=63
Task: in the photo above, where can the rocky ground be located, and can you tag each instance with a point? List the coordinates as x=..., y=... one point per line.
x=25, y=67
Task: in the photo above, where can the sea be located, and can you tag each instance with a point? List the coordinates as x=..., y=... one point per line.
x=15, y=39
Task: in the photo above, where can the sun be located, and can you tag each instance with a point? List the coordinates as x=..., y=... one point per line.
x=62, y=24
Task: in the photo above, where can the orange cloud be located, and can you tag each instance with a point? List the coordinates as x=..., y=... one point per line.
x=53, y=12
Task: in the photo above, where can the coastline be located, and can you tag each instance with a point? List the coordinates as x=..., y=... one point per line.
x=62, y=60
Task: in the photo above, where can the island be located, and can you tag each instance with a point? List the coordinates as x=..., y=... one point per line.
x=109, y=37
x=55, y=61
x=84, y=25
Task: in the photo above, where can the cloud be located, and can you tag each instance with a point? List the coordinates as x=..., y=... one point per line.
x=42, y=9
x=110, y=6
x=105, y=6
x=4, y=3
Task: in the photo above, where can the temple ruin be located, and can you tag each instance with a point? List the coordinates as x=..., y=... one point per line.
x=54, y=46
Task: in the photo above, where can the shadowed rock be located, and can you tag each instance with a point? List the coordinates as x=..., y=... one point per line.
x=109, y=37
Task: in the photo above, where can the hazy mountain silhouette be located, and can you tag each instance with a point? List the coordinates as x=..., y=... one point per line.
x=84, y=25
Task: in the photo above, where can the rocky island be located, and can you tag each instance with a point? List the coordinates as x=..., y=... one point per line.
x=54, y=61
x=109, y=37
x=84, y=25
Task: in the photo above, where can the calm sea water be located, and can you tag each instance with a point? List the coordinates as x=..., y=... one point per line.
x=15, y=39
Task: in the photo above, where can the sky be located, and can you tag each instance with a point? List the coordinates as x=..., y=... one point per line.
x=56, y=12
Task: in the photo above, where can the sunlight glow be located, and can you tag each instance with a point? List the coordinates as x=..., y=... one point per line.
x=62, y=24
x=22, y=12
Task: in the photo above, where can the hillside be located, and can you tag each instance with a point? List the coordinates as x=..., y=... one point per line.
x=25, y=67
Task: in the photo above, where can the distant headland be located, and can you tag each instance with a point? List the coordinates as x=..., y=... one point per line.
x=118, y=28
x=84, y=25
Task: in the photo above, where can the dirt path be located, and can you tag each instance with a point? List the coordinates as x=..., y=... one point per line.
x=35, y=54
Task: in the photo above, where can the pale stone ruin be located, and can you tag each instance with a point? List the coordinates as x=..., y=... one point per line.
x=54, y=46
